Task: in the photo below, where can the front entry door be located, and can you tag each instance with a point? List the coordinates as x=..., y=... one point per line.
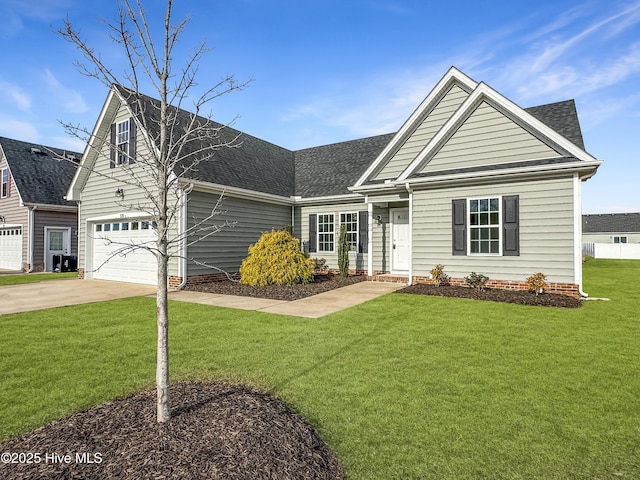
x=400, y=247
x=57, y=243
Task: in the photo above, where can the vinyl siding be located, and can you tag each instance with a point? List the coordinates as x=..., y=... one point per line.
x=14, y=214
x=227, y=248
x=43, y=219
x=98, y=195
x=608, y=237
x=357, y=261
x=488, y=137
x=430, y=125
x=546, y=232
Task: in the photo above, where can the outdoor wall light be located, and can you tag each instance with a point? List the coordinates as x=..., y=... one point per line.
x=378, y=220
x=2, y=218
x=120, y=193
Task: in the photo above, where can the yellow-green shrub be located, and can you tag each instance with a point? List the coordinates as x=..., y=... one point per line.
x=276, y=259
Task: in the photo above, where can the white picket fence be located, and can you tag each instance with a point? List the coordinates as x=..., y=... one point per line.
x=628, y=251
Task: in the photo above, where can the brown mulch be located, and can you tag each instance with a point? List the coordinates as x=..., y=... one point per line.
x=495, y=295
x=217, y=431
x=321, y=283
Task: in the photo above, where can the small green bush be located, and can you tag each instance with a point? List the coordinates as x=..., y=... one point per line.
x=276, y=259
x=343, y=251
x=320, y=264
x=477, y=280
x=438, y=275
x=537, y=283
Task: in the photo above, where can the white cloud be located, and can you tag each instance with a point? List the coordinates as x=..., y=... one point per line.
x=70, y=100
x=12, y=128
x=15, y=95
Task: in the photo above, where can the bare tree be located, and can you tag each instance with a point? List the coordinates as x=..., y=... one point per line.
x=175, y=142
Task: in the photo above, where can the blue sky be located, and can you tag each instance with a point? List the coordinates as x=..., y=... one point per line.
x=325, y=71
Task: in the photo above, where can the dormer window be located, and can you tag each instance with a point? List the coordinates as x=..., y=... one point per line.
x=123, y=143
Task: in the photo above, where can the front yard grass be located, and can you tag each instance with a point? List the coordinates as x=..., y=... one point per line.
x=401, y=387
x=18, y=278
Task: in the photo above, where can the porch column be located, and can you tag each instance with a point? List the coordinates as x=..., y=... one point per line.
x=410, y=234
x=370, y=240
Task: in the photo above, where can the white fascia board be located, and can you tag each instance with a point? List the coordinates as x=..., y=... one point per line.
x=120, y=216
x=536, y=172
x=482, y=92
x=346, y=198
x=52, y=208
x=453, y=75
x=217, y=188
x=89, y=156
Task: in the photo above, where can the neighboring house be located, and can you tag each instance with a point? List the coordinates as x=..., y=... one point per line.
x=471, y=181
x=611, y=228
x=36, y=222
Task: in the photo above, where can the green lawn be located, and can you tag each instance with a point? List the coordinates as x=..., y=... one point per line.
x=15, y=279
x=402, y=387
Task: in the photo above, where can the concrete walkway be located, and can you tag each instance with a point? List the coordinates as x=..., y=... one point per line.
x=311, y=307
x=70, y=291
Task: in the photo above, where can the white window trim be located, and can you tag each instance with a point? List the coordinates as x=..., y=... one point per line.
x=122, y=156
x=318, y=249
x=2, y=182
x=469, y=227
x=620, y=237
x=357, y=232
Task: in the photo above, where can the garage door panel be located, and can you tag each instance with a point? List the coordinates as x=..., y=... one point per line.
x=111, y=262
x=11, y=248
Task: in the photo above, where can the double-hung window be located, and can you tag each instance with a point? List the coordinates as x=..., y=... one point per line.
x=484, y=226
x=5, y=182
x=620, y=239
x=326, y=232
x=122, y=142
x=351, y=221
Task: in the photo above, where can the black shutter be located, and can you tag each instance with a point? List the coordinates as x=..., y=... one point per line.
x=132, y=140
x=363, y=231
x=459, y=226
x=313, y=230
x=510, y=225
x=113, y=155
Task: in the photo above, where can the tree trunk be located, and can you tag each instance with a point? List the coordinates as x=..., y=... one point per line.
x=162, y=362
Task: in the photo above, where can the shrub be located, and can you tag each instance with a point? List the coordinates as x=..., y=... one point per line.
x=537, y=283
x=320, y=264
x=438, y=275
x=276, y=259
x=477, y=280
x=343, y=251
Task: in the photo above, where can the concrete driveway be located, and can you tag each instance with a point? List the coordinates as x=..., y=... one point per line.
x=71, y=291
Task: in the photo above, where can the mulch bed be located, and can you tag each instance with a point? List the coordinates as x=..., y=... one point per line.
x=321, y=283
x=216, y=431
x=495, y=295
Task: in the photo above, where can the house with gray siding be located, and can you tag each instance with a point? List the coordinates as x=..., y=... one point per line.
x=611, y=228
x=37, y=223
x=471, y=181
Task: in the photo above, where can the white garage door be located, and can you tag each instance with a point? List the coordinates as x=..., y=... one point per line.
x=11, y=248
x=138, y=266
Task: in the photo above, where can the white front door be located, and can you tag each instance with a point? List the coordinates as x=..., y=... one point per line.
x=56, y=245
x=400, y=246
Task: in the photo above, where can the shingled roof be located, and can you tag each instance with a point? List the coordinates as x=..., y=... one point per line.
x=312, y=172
x=611, y=223
x=561, y=117
x=40, y=176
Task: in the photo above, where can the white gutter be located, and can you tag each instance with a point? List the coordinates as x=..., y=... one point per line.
x=577, y=232
x=408, y=187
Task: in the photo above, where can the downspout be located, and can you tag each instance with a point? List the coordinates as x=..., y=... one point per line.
x=370, y=239
x=577, y=232
x=182, y=249
x=30, y=240
x=408, y=187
